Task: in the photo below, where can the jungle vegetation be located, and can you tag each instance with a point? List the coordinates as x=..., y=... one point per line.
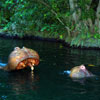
x=74, y=21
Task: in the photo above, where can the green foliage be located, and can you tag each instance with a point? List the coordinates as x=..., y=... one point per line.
x=81, y=37
x=96, y=36
x=47, y=18
x=86, y=12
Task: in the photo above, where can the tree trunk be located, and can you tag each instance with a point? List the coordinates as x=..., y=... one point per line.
x=72, y=9
x=97, y=21
x=94, y=5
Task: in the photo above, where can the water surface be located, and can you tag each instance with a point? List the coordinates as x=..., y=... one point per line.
x=48, y=81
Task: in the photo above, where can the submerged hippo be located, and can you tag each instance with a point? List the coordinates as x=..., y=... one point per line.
x=79, y=72
x=20, y=58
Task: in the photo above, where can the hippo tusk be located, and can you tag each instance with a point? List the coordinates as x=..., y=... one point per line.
x=32, y=68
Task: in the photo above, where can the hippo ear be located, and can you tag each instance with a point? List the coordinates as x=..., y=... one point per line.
x=82, y=67
x=16, y=48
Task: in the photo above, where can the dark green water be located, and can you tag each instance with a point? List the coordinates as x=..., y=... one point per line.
x=48, y=82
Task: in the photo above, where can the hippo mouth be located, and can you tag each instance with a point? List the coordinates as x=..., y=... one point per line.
x=31, y=62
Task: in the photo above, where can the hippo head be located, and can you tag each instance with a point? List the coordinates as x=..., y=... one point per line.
x=80, y=72
x=21, y=58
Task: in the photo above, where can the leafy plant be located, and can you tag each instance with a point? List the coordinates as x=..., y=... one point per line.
x=49, y=18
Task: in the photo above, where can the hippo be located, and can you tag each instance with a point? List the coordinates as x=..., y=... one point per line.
x=79, y=72
x=20, y=58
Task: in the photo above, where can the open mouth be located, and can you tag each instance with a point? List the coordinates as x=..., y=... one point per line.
x=27, y=62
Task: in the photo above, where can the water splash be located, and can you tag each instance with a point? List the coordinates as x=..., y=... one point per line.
x=3, y=64
x=67, y=72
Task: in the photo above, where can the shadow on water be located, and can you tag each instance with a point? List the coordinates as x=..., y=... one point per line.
x=46, y=83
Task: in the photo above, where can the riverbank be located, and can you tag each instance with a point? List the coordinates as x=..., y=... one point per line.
x=52, y=21
x=89, y=43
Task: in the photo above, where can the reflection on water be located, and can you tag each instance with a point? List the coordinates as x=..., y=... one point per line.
x=46, y=83
x=18, y=83
x=23, y=81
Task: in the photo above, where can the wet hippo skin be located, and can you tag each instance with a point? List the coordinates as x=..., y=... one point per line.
x=20, y=58
x=80, y=72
